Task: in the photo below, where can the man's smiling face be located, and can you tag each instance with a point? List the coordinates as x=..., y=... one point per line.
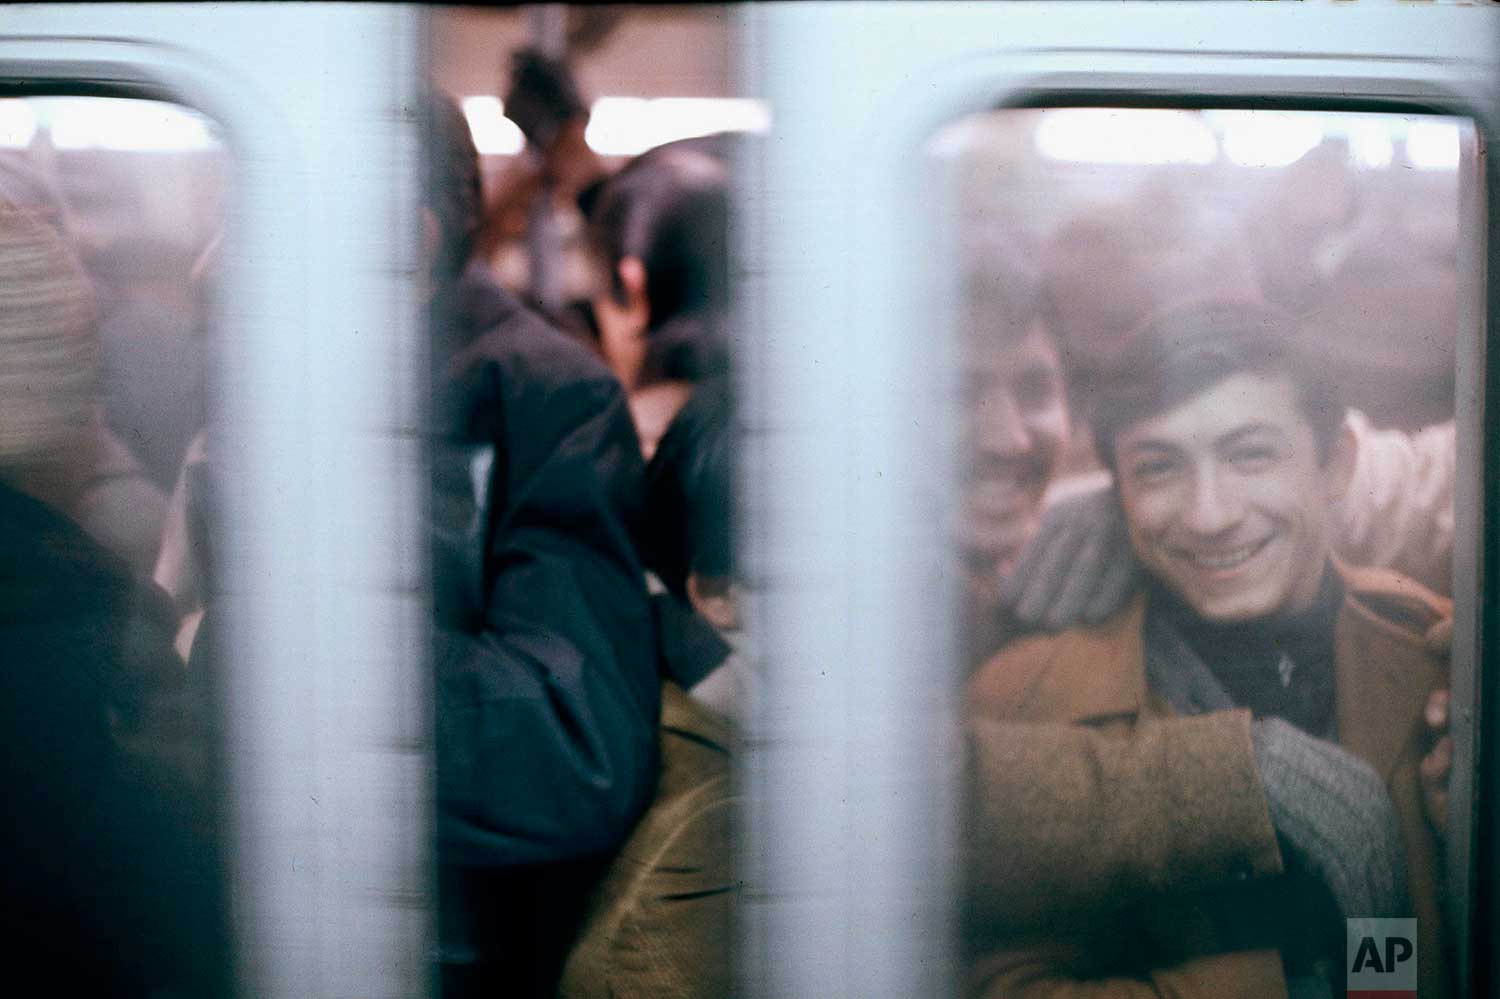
x=1016, y=422
x=1226, y=500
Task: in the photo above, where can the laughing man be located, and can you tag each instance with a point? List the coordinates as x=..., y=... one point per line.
x=1228, y=452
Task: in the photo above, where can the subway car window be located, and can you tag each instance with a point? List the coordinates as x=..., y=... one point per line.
x=588, y=638
x=1206, y=395
x=110, y=209
x=676, y=502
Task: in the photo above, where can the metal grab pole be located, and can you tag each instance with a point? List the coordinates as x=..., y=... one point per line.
x=544, y=241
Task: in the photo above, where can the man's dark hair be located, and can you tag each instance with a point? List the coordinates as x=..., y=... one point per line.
x=672, y=213
x=1184, y=351
x=670, y=210
x=690, y=491
x=543, y=96
x=452, y=185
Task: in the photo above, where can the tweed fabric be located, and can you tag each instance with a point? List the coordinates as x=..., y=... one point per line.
x=48, y=349
x=1049, y=841
x=1157, y=945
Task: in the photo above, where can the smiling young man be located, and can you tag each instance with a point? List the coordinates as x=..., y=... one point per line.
x=1016, y=427
x=1228, y=452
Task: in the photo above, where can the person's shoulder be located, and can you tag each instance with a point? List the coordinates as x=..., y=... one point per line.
x=522, y=342
x=998, y=687
x=552, y=383
x=49, y=562
x=1040, y=675
x=1394, y=599
x=528, y=343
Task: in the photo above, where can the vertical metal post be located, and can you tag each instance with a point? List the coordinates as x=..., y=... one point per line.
x=1473, y=882
x=544, y=241
x=1468, y=523
x=324, y=613
x=848, y=767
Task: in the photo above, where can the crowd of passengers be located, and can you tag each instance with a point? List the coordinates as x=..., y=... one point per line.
x=1207, y=686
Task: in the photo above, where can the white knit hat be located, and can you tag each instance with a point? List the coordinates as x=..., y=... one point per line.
x=49, y=351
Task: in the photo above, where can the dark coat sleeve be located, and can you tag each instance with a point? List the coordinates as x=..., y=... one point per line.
x=547, y=687
x=102, y=763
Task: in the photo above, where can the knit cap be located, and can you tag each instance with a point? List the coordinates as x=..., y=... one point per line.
x=48, y=345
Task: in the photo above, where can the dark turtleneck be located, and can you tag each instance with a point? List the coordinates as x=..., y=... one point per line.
x=1247, y=657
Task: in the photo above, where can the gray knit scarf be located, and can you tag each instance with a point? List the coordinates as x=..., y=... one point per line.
x=1330, y=807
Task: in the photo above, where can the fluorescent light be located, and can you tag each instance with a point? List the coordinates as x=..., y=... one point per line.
x=687, y=117
x=1432, y=145
x=625, y=126
x=619, y=126
x=494, y=134
x=1269, y=138
x=17, y=124
x=1125, y=135
x=122, y=124
x=1370, y=145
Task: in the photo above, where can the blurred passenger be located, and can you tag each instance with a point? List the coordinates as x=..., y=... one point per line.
x=1103, y=275
x=153, y=353
x=1107, y=269
x=689, y=547
x=1017, y=427
x=123, y=505
x=26, y=187
x=1304, y=226
x=1228, y=452
x=183, y=559
x=661, y=926
x=1036, y=344
x=546, y=104
x=109, y=882
x=658, y=230
x=1380, y=300
x=547, y=686
x=1387, y=324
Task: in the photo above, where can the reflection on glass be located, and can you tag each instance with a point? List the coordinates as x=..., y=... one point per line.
x=1208, y=389
x=104, y=207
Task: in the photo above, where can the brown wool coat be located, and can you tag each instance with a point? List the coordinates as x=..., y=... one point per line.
x=659, y=925
x=1127, y=866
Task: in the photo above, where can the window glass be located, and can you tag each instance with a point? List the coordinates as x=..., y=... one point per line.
x=109, y=213
x=1206, y=527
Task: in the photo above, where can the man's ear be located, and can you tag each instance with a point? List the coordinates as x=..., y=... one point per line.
x=632, y=280
x=714, y=598
x=1339, y=471
x=622, y=324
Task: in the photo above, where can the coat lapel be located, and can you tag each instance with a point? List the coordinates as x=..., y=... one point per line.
x=1095, y=673
x=1384, y=675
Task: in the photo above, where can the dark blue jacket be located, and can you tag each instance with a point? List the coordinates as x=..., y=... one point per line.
x=547, y=681
x=109, y=874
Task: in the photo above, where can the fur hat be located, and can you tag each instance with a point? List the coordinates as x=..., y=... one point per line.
x=49, y=352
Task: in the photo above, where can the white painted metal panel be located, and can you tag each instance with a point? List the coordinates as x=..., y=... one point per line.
x=850, y=823
x=319, y=374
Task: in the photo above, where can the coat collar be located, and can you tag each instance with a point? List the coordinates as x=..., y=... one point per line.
x=1075, y=687
x=1383, y=675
